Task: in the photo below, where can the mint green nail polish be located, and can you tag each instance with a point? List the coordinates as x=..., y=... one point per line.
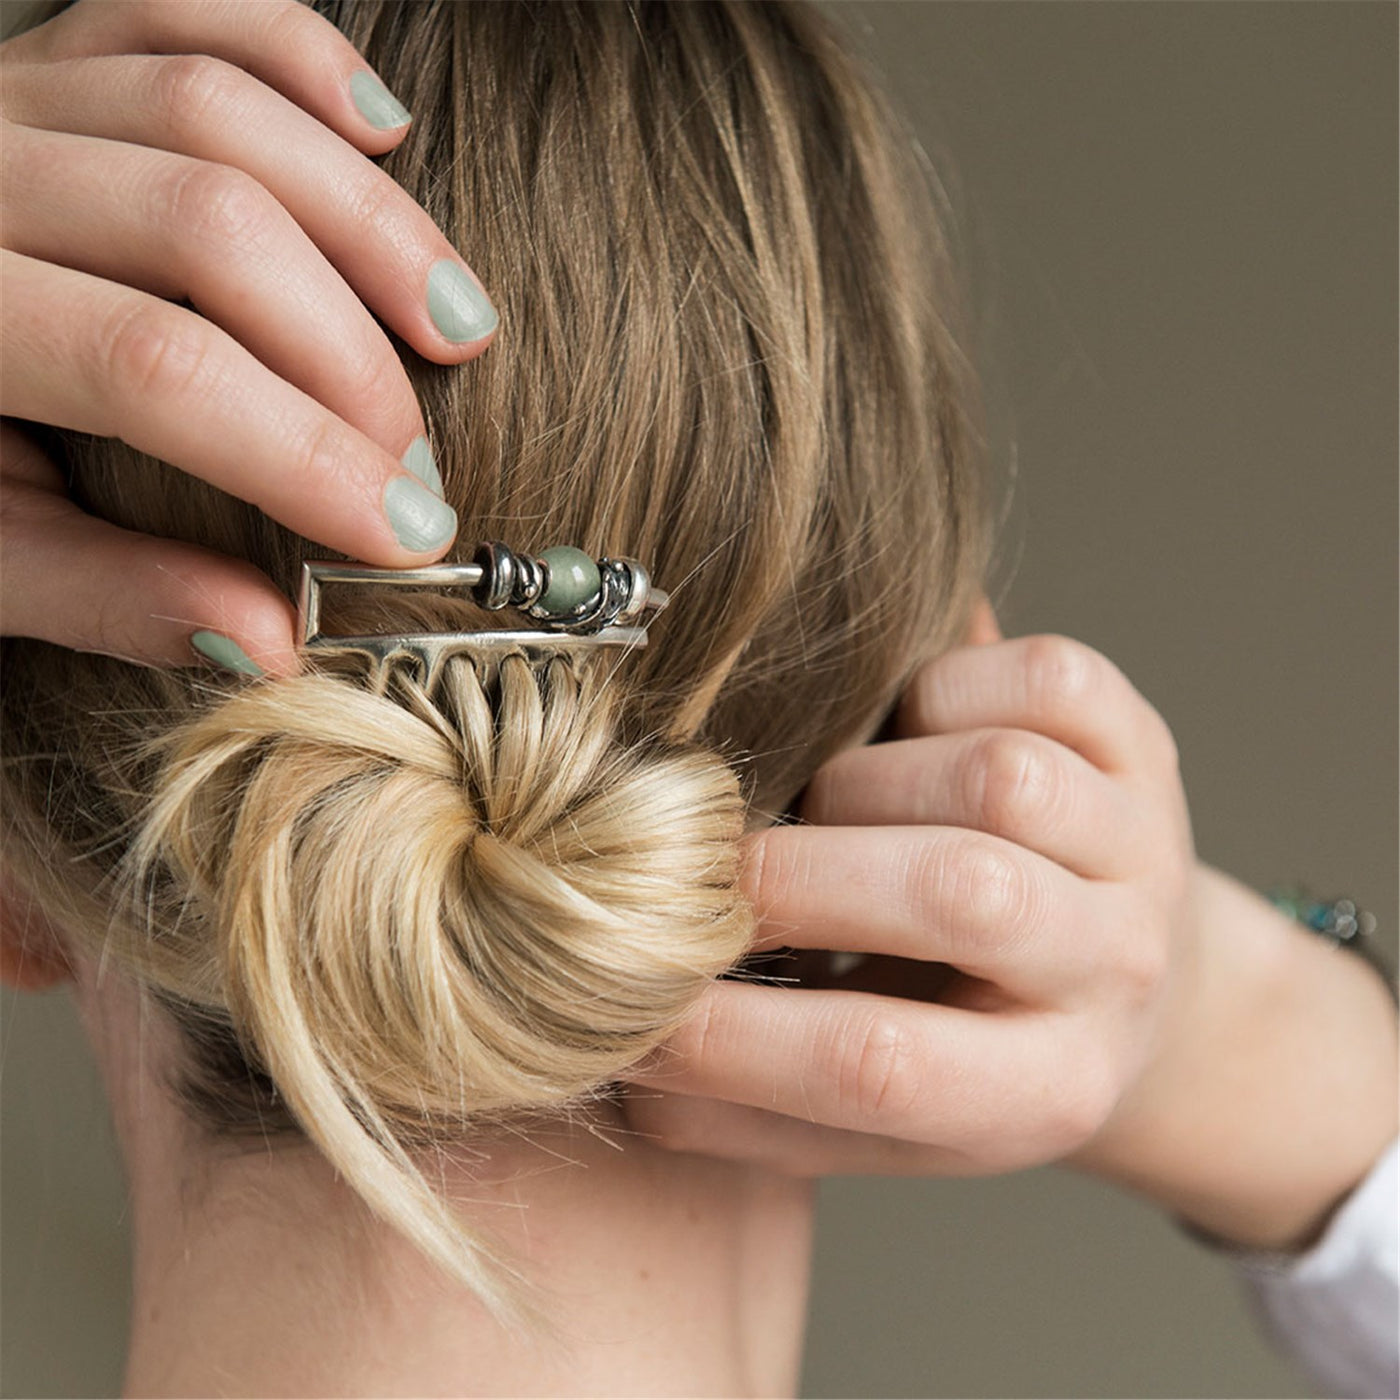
x=224, y=651
x=420, y=520
x=459, y=308
x=419, y=460
x=378, y=106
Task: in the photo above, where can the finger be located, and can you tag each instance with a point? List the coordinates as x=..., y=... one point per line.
x=928, y=1074
x=1010, y=783
x=983, y=627
x=1052, y=685
x=780, y=1143
x=383, y=243
x=182, y=229
x=285, y=44
x=84, y=353
x=80, y=582
x=938, y=894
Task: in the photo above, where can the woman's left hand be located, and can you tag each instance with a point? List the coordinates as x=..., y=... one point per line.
x=1018, y=865
x=1052, y=976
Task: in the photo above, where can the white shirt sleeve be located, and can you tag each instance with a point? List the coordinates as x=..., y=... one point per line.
x=1336, y=1308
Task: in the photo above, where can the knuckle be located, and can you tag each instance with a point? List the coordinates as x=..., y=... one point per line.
x=289, y=27
x=222, y=204
x=881, y=1085
x=373, y=199
x=991, y=887
x=197, y=90
x=1061, y=673
x=320, y=460
x=153, y=351
x=987, y=904
x=1016, y=783
x=112, y=628
x=372, y=377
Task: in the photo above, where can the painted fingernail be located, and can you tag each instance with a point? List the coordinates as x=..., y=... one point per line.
x=420, y=520
x=419, y=460
x=224, y=651
x=458, y=306
x=378, y=106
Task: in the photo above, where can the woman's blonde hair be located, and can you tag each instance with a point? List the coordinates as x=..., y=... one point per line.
x=727, y=350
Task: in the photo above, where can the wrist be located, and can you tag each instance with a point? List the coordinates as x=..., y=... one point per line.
x=1273, y=1089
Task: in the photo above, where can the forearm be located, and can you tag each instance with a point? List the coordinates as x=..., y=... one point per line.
x=1276, y=1086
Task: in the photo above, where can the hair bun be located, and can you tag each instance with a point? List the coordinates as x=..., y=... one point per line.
x=434, y=909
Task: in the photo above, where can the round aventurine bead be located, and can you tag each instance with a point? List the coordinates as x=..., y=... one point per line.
x=573, y=579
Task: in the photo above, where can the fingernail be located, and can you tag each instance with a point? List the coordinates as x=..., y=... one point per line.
x=378, y=106
x=224, y=651
x=459, y=308
x=420, y=520
x=419, y=460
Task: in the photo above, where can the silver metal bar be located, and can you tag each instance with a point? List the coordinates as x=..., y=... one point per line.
x=315, y=572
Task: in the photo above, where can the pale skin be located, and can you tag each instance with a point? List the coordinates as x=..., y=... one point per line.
x=211, y=152
x=257, y=1273
x=1072, y=984
x=1187, y=1070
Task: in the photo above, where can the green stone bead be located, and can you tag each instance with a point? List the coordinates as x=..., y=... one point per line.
x=573, y=580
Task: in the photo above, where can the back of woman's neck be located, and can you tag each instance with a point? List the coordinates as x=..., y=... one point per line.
x=262, y=1274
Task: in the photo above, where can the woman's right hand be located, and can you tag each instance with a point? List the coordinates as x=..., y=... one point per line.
x=215, y=153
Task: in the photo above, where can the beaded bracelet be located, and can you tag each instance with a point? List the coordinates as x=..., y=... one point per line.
x=1340, y=922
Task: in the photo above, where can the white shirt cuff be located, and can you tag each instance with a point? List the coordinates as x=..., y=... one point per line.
x=1336, y=1307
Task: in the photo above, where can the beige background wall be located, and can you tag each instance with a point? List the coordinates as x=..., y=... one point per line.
x=1183, y=230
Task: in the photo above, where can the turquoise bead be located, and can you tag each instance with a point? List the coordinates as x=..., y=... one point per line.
x=573, y=580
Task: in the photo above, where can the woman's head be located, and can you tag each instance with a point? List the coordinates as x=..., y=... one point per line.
x=725, y=350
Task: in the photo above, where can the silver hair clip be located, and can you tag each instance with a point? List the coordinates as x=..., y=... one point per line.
x=580, y=604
